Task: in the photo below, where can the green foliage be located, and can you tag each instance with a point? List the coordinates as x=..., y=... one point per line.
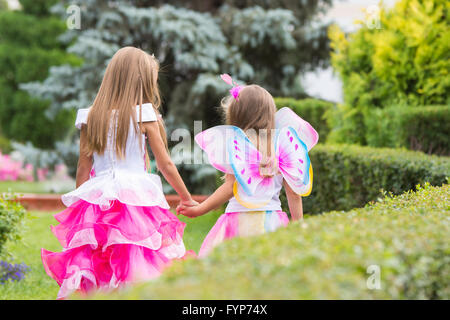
x=326, y=257
x=37, y=284
x=194, y=41
x=349, y=176
x=11, y=216
x=29, y=45
x=311, y=110
x=406, y=61
x=3, y=5
x=5, y=145
x=347, y=124
x=37, y=7
x=420, y=128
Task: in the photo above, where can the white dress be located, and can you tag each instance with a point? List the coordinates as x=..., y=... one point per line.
x=125, y=179
x=117, y=228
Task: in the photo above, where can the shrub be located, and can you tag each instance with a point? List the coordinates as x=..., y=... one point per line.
x=312, y=110
x=406, y=61
x=5, y=145
x=11, y=216
x=420, y=128
x=326, y=257
x=349, y=176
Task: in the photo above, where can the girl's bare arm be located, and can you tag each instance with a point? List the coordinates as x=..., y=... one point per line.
x=165, y=164
x=84, y=161
x=295, y=203
x=219, y=197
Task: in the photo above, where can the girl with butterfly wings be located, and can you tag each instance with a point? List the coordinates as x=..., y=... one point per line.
x=260, y=150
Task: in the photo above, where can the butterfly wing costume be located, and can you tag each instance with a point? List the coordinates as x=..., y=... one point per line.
x=229, y=150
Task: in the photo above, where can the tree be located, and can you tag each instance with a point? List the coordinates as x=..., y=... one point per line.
x=405, y=62
x=195, y=41
x=28, y=47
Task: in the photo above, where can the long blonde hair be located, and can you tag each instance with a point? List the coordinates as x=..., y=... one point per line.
x=254, y=112
x=131, y=78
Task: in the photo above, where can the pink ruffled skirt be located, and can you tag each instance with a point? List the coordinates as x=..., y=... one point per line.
x=242, y=224
x=103, y=250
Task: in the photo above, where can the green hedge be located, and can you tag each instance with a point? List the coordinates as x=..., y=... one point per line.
x=11, y=217
x=312, y=110
x=420, y=128
x=326, y=257
x=349, y=176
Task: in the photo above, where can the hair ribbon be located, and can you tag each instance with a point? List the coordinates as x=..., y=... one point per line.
x=236, y=88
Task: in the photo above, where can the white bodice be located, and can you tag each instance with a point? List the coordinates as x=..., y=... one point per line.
x=124, y=179
x=273, y=205
x=108, y=162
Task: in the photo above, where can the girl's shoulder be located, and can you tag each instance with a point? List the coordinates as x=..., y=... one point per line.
x=82, y=116
x=148, y=114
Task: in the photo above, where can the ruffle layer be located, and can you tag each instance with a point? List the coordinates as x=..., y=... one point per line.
x=132, y=188
x=84, y=268
x=242, y=224
x=106, y=248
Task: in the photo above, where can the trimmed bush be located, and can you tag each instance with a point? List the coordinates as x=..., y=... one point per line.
x=349, y=176
x=326, y=257
x=11, y=216
x=420, y=128
x=312, y=110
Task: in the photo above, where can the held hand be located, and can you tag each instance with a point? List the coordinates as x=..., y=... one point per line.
x=188, y=203
x=191, y=212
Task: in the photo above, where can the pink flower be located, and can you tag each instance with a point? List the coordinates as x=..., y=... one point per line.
x=26, y=173
x=42, y=174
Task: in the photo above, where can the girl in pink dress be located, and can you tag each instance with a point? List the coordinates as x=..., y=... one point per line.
x=117, y=228
x=260, y=150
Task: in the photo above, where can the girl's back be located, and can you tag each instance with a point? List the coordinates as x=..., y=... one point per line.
x=120, y=178
x=133, y=160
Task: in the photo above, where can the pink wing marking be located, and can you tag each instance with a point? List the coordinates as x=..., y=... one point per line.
x=285, y=117
x=213, y=142
x=293, y=160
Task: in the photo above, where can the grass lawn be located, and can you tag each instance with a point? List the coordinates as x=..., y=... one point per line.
x=37, y=235
x=35, y=187
x=36, y=285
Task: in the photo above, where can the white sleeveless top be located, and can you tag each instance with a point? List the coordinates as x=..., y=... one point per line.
x=273, y=205
x=124, y=179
